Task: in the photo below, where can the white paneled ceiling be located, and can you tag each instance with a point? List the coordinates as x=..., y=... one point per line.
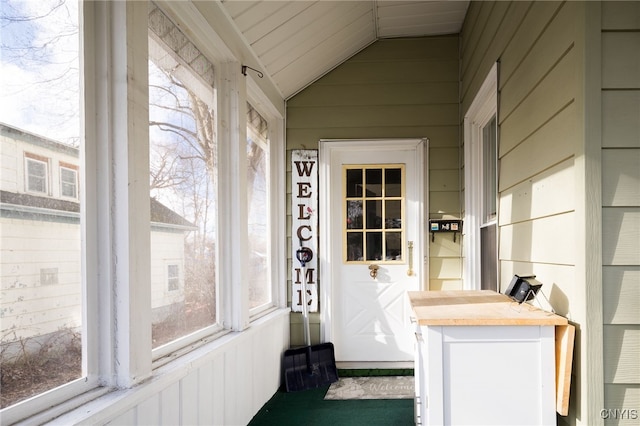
x=298, y=41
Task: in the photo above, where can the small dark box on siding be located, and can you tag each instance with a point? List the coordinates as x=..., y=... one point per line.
x=522, y=289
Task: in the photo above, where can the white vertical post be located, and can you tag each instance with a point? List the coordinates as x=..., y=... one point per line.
x=232, y=214
x=117, y=139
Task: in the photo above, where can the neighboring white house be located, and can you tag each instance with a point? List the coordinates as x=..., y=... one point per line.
x=41, y=250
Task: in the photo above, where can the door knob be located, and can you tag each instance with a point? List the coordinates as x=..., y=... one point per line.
x=373, y=271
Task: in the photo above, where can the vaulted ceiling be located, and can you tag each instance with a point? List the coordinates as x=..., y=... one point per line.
x=298, y=41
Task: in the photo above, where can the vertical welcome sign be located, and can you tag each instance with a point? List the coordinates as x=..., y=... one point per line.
x=304, y=232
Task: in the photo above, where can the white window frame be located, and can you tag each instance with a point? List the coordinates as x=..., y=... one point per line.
x=276, y=154
x=28, y=159
x=75, y=183
x=270, y=215
x=207, y=94
x=95, y=368
x=482, y=109
x=171, y=277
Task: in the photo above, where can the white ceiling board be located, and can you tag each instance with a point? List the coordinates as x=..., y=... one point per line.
x=321, y=32
x=301, y=29
x=236, y=8
x=313, y=64
x=276, y=19
x=400, y=19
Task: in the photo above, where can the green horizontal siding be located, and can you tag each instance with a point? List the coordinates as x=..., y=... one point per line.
x=395, y=88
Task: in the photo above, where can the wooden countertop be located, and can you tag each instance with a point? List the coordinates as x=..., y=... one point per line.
x=476, y=307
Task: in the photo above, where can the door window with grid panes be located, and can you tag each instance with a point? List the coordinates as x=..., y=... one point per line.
x=373, y=212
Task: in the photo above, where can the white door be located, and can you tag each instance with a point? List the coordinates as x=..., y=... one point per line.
x=372, y=211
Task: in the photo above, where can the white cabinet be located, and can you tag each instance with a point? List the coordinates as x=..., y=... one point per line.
x=483, y=361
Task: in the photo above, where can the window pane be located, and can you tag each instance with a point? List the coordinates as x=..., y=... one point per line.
x=354, y=246
x=490, y=173
x=374, y=246
x=373, y=182
x=41, y=276
x=37, y=176
x=393, y=246
x=173, y=277
x=393, y=214
x=183, y=176
x=354, y=214
x=354, y=183
x=68, y=182
x=489, y=258
x=258, y=203
x=374, y=214
x=393, y=182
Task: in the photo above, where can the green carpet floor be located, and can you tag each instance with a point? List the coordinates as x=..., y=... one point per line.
x=308, y=407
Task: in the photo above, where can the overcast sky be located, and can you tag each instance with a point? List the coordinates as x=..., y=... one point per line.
x=39, y=79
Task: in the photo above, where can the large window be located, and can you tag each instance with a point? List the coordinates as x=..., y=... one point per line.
x=183, y=179
x=481, y=188
x=41, y=306
x=258, y=195
x=112, y=245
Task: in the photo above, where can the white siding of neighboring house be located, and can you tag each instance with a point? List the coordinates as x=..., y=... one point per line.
x=621, y=204
x=32, y=243
x=13, y=150
x=8, y=164
x=28, y=306
x=168, y=249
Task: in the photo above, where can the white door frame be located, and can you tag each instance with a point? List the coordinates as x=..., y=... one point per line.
x=327, y=149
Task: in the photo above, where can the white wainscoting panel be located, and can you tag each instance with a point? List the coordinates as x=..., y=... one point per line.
x=224, y=382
